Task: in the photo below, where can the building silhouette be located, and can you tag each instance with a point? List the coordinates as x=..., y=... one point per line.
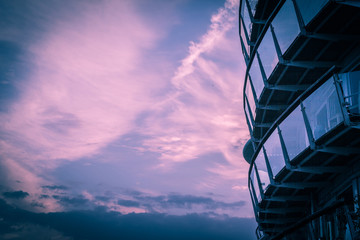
x=301, y=102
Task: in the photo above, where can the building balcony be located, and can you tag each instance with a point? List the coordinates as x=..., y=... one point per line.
x=307, y=147
x=295, y=43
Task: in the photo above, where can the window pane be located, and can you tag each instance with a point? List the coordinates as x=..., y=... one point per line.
x=323, y=109
x=256, y=78
x=267, y=52
x=256, y=184
x=262, y=170
x=351, y=88
x=309, y=8
x=244, y=38
x=294, y=133
x=246, y=18
x=253, y=4
x=274, y=153
x=248, y=115
x=250, y=97
x=286, y=25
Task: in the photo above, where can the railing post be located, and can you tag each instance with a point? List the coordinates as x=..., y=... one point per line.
x=268, y=166
x=299, y=18
x=337, y=83
x=284, y=150
x=277, y=46
x=253, y=91
x=248, y=123
x=254, y=194
x=249, y=110
x=308, y=127
x=259, y=182
x=263, y=74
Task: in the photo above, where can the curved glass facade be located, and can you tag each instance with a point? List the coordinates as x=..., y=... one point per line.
x=323, y=110
x=302, y=105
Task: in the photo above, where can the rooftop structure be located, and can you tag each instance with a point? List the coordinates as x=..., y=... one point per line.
x=301, y=102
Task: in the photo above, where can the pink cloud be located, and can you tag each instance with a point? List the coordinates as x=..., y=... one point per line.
x=89, y=82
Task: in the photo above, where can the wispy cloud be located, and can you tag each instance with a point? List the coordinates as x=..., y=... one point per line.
x=93, y=80
x=89, y=81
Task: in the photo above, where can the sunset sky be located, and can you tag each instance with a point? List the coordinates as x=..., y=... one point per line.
x=130, y=107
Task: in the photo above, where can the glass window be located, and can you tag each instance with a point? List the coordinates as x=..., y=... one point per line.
x=323, y=109
x=294, y=133
x=247, y=19
x=250, y=97
x=274, y=153
x=309, y=8
x=253, y=4
x=256, y=78
x=351, y=88
x=245, y=39
x=286, y=25
x=256, y=184
x=262, y=170
x=268, y=54
x=248, y=115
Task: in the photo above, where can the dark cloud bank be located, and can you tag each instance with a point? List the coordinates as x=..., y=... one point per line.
x=99, y=224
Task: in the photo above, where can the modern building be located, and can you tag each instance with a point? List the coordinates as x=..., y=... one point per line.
x=301, y=101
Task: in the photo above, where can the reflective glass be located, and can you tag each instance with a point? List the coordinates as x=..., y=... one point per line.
x=250, y=97
x=247, y=19
x=256, y=78
x=309, y=8
x=248, y=115
x=323, y=109
x=351, y=88
x=244, y=38
x=262, y=170
x=274, y=152
x=293, y=131
x=253, y=4
x=268, y=54
x=256, y=184
x=286, y=25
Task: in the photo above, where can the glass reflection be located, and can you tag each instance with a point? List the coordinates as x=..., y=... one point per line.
x=250, y=97
x=247, y=19
x=268, y=54
x=294, y=133
x=262, y=170
x=351, y=88
x=256, y=184
x=286, y=25
x=248, y=116
x=256, y=78
x=274, y=153
x=309, y=8
x=245, y=38
x=253, y=4
x=323, y=109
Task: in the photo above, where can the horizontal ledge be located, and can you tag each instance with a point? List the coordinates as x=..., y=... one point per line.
x=333, y=37
x=281, y=210
x=339, y=150
x=301, y=185
x=319, y=170
x=309, y=64
x=289, y=88
x=272, y=107
x=287, y=198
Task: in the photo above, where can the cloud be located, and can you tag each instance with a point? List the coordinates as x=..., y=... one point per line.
x=88, y=82
x=55, y=187
x=15, y=194
x=99, y=224
x=128, y=203
x=93, y=78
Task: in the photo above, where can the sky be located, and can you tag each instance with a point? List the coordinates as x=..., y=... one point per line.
x=122, y=114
